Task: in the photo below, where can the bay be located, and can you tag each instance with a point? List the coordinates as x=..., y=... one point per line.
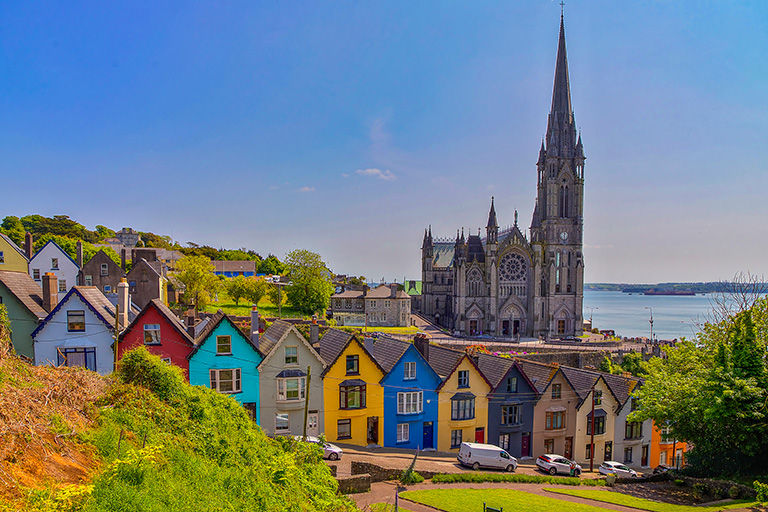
x=674, y=317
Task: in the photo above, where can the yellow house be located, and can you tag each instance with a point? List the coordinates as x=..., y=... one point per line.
x=12, y=258
x=462, y=413
x=352, y=397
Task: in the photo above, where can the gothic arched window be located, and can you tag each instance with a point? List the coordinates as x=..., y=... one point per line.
x=475, y=284
x=563, y=201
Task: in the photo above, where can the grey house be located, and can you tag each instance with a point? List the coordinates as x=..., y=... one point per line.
x=510, y=405
x=100, y=271
x=283, y=380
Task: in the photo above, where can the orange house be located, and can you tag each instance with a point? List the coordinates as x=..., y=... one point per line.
x=665, y=449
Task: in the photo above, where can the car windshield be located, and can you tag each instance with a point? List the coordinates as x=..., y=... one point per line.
x=623, y=468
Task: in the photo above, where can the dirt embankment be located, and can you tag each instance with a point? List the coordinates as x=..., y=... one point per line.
x=43, y=411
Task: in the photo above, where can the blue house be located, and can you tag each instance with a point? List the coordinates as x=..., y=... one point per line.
x=510, y=404
x=234, y=268
x=410, y=394
x=225, y=360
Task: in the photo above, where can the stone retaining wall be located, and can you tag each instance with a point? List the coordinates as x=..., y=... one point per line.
x=354, y=484
x=380, y=474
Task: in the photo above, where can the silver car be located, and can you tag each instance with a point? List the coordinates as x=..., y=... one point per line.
x=554, y=464
x=611, y=467
x=330, y=451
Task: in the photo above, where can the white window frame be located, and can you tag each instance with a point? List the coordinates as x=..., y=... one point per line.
x=237, y=383
x=104, y=269
x=403, y=432
x=154, y=331
x=295, y=355
x=279, y=415
x=36, y=274
x=282, y=388
x=219, y=352
x=410, y=402
x=62, y=285
x=54, y=263
x=409, y=370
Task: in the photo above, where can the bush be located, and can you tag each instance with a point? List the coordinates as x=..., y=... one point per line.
x=410, y=477
x=734, y=492
x=700, y=490
x=679, y=482
x=450, y=478
x=762, y=491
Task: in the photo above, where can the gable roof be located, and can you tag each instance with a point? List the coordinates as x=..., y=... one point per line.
x=332, y=343
x=49, y=242
x=278, y=335
x=458, y=363
x=155, y=266
x=539, y=374
x=443, y=360
x=13, y=245
x=388, y=352
x=494, y=368
x=165, y=312
x=93, y=299
x=26, y=290
x=347, y=344
x=580, y=380
x=234, y=266
x=213, y=322
x=101, y=254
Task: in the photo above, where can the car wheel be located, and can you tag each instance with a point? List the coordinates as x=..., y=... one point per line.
x=333, y=456
x=510, y=468
x=475, y=466
x=577, y=472
x=552, y=471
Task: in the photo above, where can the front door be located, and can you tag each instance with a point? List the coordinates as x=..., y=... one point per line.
x=472, y=327
x=428, y=439
x=312, y=424
x=608, y=454
x=525, y=445
x=516, y=327
x=568, y=448
x=480, y=435
x=373, y=430
x=644, y=456
x=561, y=327
x=505, y=327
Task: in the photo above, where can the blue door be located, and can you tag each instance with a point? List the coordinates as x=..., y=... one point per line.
x=428, y=435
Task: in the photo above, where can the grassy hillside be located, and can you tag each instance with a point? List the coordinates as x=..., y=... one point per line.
x=145, y=441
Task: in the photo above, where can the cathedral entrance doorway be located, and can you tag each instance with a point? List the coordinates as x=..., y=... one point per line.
x=505, y=328
x=473, y=331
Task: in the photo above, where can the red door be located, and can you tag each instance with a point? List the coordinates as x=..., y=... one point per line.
x=480, y=435
x=525, y=445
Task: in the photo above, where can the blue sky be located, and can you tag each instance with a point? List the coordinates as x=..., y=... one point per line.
x=347, y=127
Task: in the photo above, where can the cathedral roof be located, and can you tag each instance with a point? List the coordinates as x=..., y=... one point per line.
x=442, y=255
x=475, y=249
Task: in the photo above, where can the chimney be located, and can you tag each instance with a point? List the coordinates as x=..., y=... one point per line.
x=50, y=291
x=314, y=331
x=80, y=254
x=421, y=342
x=255, y=326
x=28, y=245
x=191, y=331
x=123, y=302
x=122, y=258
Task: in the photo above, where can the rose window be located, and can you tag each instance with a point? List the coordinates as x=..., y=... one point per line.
x=512, y=268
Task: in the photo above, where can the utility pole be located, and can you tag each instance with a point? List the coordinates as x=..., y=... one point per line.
x=117, y=330
x=279, y=302
x=592, y=437
x=651, y=321
x=306, y=401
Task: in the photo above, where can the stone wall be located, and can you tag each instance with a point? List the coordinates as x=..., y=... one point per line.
x=380, y=474
x=354, y=484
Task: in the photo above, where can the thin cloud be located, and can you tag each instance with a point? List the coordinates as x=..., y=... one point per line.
x=307, y=189
x=385, y=175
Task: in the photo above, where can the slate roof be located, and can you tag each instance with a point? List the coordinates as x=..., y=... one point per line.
x=91, y=297
x=13, y=245
x=443, y=360
x=581, y=380
x=385, y=292
x=62, y=251
x=272, y=336
x=388, y=352
x=442, y=254
x=234, y=266
x=350, y=294
x=24, y=288
x=538, y=373
x=620, y=386
x=332, y=343
x=214, y=322
x=493, y=367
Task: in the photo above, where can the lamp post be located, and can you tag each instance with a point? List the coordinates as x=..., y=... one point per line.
x=591, y=310
x=650, y=321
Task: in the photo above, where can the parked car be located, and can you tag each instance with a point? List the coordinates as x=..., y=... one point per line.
x=661, y=468
x=554, y=464
x=330, y=451
x=611, y=467
x=477, y=455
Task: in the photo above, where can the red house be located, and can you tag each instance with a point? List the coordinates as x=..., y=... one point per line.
x=162, y=332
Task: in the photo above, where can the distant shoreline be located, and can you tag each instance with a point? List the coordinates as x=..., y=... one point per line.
x=672, y=288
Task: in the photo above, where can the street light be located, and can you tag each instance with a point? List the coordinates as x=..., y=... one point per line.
x=591, y=310
x=651, y=321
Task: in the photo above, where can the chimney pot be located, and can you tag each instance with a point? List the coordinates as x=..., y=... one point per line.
x=29, y=245
x=50, y=291
x=314, y=331
x=122, y=258
x=421, y=342
x=123, y=301
x=255, y=326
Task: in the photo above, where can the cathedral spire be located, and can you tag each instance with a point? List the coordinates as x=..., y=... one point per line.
x=560, y=128
x=492, y=216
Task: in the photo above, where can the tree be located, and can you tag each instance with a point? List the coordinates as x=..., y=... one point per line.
x=311, y=288
x=255, y=289
x=275, y=294
x=195, y=275
x=13, y=229
x=237, y=288
x=104, y=232
x=633, y=363
x=271, y=265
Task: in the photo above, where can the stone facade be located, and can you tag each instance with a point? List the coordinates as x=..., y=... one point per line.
x=384, y=306
x=508, y=284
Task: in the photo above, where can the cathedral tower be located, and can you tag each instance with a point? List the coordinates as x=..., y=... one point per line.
x=557, y=225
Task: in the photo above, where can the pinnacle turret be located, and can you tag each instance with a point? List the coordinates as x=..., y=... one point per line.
x=492, y=223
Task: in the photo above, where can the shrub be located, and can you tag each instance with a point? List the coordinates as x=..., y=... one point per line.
x=450, y=478
x=700, y=490
x=734, y=492
x=410, y=477
x=762, y=491
x=679, y=482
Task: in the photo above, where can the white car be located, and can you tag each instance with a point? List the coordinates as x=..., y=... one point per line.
x=330, y=451
x=554, y=464
x=477, y=455
x=617, y=468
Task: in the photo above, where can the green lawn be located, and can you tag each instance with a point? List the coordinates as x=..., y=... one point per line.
x=618, y=498
x=393, y=330
x=471, y=500
x=266, y=307
x=385, y=507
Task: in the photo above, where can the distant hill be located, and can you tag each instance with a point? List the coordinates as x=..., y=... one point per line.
x=702, y=287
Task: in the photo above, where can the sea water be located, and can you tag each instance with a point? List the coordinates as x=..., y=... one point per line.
x=674, y=316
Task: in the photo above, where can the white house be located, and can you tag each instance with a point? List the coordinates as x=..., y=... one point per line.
x=52, y=258
x=79, y=330
x=632, y=439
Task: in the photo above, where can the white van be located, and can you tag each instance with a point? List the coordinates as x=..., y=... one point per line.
x=476, y=455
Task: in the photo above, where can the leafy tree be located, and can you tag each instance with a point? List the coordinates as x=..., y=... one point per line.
x=633, y=363
x=104, y=232
x=714, y=394
x=241, y=254
x=271, y=265
x=311, y=288
x=237, y=288
x=69, y=245
x=13, y=229
x=195, y=275
x=276, y=294
x=607, y=366
x=159, y=241
x=256, y=288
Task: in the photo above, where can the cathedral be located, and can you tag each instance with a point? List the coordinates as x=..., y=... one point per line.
x=507, y=284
